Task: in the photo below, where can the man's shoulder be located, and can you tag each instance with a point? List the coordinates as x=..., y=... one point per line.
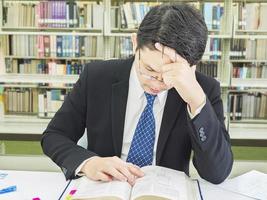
x=110, y=65
x=207, y=83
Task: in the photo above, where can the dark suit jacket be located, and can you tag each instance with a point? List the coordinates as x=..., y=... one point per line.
x=98, y=103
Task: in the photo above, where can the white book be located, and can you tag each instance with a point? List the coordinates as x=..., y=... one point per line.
x=158, y=183
x=98, y=16
x=129, y=15
x=41, y=105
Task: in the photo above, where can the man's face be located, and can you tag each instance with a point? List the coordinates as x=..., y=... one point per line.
x=149, y=69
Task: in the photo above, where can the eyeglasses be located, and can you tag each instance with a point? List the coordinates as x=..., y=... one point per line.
x=150, y=77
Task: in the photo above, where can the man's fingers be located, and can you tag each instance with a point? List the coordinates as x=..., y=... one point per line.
x=124, y=170
x=194, y=68
x=135, y=170
x=103, y=177
x=171, y=53
x=116, y=174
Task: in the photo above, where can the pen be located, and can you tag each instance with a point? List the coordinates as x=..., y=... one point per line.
x=8, y=189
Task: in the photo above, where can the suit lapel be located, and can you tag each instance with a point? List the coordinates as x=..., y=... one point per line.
x=118, y=110
x=171, y=110
x=118, y=104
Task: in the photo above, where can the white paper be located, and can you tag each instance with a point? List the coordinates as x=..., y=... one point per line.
x=252, y=184
x=211, y=192
x=45, y=185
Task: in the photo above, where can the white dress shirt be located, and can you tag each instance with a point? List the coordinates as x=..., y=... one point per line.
x=136, y=103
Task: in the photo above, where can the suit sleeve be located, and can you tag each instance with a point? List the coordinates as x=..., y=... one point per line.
x=59, y=140
x=213, y=156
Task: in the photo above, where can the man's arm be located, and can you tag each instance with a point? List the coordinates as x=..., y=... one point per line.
x=213, y=157
x=59, y=140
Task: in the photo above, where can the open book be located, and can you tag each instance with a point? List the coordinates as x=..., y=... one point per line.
x=159, y=183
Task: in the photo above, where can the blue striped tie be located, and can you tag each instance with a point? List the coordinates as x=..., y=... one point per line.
x=141, y=150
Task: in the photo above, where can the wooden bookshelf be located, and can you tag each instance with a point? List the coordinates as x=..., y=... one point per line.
x=243, y=129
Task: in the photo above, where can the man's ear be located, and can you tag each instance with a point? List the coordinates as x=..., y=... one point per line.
x=134, y=41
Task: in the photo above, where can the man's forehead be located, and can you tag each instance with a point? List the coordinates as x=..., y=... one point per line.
x=154, y=58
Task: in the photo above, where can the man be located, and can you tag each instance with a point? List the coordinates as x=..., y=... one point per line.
x=151, y=109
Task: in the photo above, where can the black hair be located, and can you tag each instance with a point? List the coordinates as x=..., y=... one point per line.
x=178, y=26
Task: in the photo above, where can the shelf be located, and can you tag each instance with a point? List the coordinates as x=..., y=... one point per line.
x=251, y=31
x=74, y=33
x=250, y=36
x=248, y=131
x=22, y=127
x=23, y=119
x=47, y=29
x=56, y=58
x=253, y=82
x=38, y=78
x=126, y=34
x=250, y=122
x=247, y=61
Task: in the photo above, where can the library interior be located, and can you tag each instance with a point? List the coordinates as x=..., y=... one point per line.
x=45, y=46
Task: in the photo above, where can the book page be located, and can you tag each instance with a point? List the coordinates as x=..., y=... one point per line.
x=161, y=183
x=88, y=189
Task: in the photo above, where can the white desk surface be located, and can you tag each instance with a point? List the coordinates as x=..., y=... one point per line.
x=33, y=184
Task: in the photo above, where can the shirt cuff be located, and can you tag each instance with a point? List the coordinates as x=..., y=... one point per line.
x=198, y=110
x=78, y=169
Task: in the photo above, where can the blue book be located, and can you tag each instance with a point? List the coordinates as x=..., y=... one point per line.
x=59, y=46
x=208, y=14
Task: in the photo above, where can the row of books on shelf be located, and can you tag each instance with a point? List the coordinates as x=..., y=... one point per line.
x=248, y=105
x=130, y=14
x=67, y=14
x=208, y=68
x=251, y=70
x=249, y=49
x=55, y=14
x=250, y=16
x=52, y=67
x=31, y=101
x=45, y=102
x=53, y=45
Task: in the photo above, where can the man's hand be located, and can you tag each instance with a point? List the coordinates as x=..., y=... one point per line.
x=107, y=168
x=181, y=76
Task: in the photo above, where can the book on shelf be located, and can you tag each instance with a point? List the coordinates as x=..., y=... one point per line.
x=213, y=13
x=51, y=67
x=49, y=102
x=130, y=14
x=249, y=105
x=121, y=47
x=250, y=49
x=56, y=46
x=33, y=101
x=250, y=16
x=53, y=14
x=213, y=49
x=250, y=70
x=158, y=183
x=21, y=101
x=208, y=68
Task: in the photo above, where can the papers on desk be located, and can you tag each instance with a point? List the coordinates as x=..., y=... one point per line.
x=29, y=185
x=252, y=184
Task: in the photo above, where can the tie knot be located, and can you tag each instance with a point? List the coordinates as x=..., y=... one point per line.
x=150, y=98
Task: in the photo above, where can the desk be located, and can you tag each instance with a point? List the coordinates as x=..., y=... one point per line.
x=31, y=175
x=49, y=186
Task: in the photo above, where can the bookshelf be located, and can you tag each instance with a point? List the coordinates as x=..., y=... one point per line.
x=218, y=61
